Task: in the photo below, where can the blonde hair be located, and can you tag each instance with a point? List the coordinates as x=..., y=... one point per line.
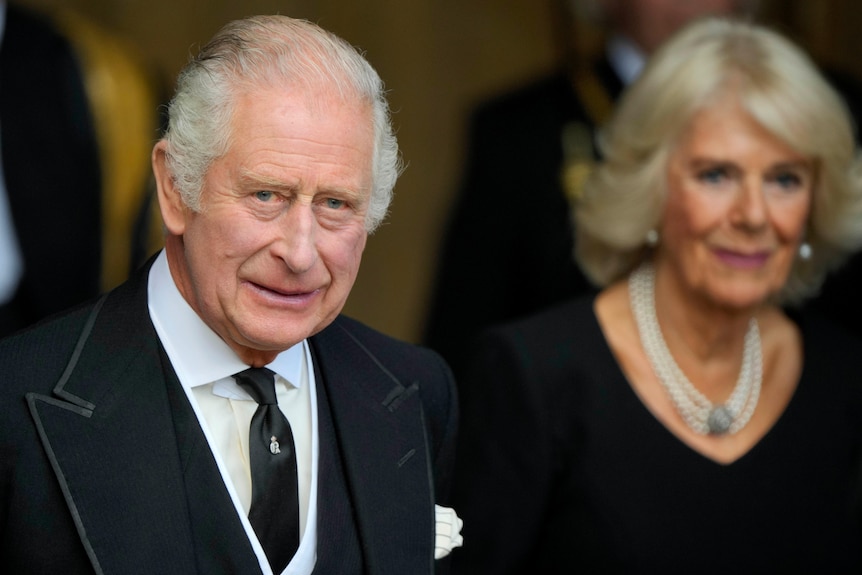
x=779, y=86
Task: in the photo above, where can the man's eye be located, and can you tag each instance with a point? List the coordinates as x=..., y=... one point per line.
x=334, y=204
x=264, y=196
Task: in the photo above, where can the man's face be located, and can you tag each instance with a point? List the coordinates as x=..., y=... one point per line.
x=273, y=253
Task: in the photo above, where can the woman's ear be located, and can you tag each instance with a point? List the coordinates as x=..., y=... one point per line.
x=173, y=209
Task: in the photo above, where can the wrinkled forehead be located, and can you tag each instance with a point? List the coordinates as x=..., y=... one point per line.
x=317, y=99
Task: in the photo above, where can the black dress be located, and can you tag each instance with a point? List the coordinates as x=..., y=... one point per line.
x=562, y=469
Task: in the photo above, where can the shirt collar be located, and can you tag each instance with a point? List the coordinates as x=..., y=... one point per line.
x=625, y=58
x=198, y=355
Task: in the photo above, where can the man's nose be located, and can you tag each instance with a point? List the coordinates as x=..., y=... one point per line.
x=297, y=246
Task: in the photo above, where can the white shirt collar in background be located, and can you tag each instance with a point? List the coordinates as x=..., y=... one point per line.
x=11, y=260
x=625, y=58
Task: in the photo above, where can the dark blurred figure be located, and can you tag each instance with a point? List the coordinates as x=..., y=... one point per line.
x=508, y=247
x=69, y=195
x=50, y=205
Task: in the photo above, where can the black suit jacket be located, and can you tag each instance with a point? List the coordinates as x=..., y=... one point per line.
x=104, y=467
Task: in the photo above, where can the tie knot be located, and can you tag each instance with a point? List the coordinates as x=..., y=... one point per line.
x=259, y=383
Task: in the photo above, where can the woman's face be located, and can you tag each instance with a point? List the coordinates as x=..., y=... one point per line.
x=738, y=199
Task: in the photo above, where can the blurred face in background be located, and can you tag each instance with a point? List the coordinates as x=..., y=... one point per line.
x=648, y=23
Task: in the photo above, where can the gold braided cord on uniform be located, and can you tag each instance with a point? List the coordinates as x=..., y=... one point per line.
x=578, y=155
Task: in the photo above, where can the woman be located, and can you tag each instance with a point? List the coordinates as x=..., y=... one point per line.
x=681, y=421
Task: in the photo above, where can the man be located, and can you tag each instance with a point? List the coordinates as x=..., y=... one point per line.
x=508, y=247
x=131, y=438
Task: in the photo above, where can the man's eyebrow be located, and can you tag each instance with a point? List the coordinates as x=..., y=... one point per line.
x=256, y=180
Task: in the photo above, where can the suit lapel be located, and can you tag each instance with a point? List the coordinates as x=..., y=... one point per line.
x=379, y=428
x=111, y=442
x=109, y=431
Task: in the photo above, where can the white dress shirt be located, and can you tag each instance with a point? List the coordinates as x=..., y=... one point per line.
x=204, y=364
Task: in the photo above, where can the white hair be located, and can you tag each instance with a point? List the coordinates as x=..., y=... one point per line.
x=267, y=51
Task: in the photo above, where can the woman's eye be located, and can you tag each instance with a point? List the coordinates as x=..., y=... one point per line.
x=787, y=180
x=712, y=175
x=264, y=196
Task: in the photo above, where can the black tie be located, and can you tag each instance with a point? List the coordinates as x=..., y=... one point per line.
x=274, y=512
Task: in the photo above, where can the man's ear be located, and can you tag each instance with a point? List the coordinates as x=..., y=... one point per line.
x=174, y=210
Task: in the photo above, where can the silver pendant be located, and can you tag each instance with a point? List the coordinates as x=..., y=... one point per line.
x=719, y=421
x=273, y=446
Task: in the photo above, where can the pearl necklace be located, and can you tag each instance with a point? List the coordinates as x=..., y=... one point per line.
x=696, y=410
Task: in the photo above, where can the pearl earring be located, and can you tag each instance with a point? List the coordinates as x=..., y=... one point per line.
x=652, y=238
x=805, y=251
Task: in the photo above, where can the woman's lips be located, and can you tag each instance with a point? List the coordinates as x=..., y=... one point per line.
x=742, y=260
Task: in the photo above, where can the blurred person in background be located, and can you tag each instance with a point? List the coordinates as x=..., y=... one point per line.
x=77, y=119
x=681, y=420
x=50, y=177
x=507, y=248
